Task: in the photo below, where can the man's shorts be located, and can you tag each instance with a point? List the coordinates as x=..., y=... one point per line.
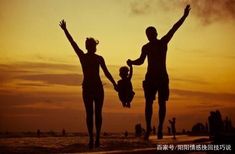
x=151, y=88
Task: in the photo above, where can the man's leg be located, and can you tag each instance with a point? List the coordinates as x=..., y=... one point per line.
x=163, y=95
x=149, y=93
x=148, y=117
x=161, y=114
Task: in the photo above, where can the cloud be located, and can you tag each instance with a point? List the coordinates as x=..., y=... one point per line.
x=25, y=119
x=13, y=98
x=195, y=81
x=141, y=8
x=36, y=67
x=61, y=79
x=199, y=95
x=40, y=65
x=32, y=84
x=36, y=72
x=30, y=93
x=210, y=11
x=207, y=11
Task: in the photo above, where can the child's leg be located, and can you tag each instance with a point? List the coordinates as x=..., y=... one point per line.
x=128, y=104
x=130, y=97
x=123, y=104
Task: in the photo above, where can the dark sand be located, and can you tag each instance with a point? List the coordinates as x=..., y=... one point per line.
x=78, y=144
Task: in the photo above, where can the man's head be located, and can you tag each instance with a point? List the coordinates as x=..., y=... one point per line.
x=91, y=44
x=151, y=33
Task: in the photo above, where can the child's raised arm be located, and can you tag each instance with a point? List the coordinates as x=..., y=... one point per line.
x=131, y=71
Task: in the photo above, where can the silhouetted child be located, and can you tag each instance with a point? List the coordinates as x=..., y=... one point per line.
x=169, y=130
x=173, y=127
x=125, y=90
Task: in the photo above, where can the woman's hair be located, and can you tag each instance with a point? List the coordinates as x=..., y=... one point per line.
x=91, y=42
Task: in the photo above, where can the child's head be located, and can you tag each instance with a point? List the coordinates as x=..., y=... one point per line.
x=123, y=72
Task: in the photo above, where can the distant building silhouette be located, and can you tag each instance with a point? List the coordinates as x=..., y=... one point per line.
x=221, y=131
x=198, y=128
x=228, y=124
x=218, y=126
x=206, y=127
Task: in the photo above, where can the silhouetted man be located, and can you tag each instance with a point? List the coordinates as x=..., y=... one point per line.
x=156, y=78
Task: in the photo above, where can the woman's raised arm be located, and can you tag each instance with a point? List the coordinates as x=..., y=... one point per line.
x=78, y=51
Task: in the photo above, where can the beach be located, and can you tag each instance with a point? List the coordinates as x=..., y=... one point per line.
x=113, y=143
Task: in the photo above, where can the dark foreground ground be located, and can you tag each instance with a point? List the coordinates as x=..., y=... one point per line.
x=110, y=144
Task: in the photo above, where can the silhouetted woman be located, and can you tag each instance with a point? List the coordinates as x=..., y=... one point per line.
x=92, y=86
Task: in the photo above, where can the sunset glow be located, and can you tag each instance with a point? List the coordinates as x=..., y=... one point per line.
x=41, y=76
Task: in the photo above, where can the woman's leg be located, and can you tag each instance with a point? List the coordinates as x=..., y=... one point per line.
x=88, y=102
x=99, y=99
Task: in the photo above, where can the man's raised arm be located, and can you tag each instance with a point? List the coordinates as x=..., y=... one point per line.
x=169, y=35
x=78, y=51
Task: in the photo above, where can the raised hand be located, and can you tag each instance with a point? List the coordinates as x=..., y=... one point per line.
x=129, y=62
x=187, y=10
x=63, y=24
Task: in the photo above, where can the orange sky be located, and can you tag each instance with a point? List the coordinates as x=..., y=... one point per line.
x=40, y=76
